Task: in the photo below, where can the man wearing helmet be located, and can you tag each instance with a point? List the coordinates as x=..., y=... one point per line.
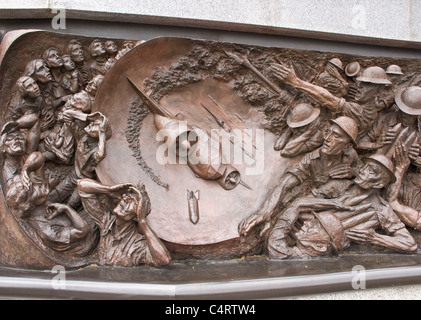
x=332, y=79
x=313, y=227
x=363, y=110
x=386, y=98
x=303, y=134
x=402, y=122
x=335, y=161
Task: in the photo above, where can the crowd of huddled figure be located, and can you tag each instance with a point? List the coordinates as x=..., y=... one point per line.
x=358, y=180
x=51, y=144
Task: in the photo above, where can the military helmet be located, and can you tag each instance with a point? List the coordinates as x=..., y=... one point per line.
x=349, y=126
x=302, y=115
x=352, y=69
x=385, y=162
x=394, y=70
x=374, y=75
x=333, y=228
x=337, y=63
x=409, y=100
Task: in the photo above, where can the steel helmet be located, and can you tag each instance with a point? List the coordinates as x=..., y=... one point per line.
x=337, y=63
x=375, y=75
x=352, y=69
x=409, y=100
x=333, y=228
x=385, y=162
x=302, y=115
x=349, y=126
x=394, y=69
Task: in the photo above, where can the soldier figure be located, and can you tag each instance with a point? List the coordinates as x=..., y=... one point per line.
x=388, y=126
x=363, y=110
x=329, y=225
x=303, y=134
x=335, y=160
x=332, y=79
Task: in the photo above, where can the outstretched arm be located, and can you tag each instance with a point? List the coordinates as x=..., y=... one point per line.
x=94, y=187
x=400, y=240
x=317, y=94
x=270, y=207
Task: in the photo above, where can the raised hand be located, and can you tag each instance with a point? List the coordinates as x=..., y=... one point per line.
x=284, y=74
x=401, y=157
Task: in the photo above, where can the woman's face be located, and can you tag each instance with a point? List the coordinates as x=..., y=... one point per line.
x=31, y=88
x=54, y=59
x=42, y=73
x=68, y=64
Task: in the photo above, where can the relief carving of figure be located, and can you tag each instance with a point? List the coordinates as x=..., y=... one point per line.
x=332, y=80
x=71, y=80
x=304, y=133
x=360, y=215
x=335, y=161
x=75, y=50
x=98, y=52
x=22, y=175
x=90, y=141
x=363, y=110
x=120, y=213
x=403, y=123
x=350, y=137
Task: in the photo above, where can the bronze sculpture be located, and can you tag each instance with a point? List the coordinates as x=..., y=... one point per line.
x=337, y=167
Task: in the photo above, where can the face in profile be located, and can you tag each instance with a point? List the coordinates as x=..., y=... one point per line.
x=371, y=176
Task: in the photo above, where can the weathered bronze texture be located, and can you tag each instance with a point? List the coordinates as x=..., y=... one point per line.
x=102, y=138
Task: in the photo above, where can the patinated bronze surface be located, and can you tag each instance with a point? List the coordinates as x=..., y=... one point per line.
x=114, y=152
